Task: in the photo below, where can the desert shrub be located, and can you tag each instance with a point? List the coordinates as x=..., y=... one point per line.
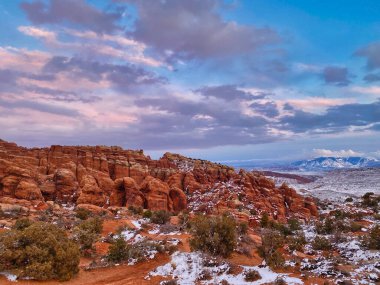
x=264, y=222
x=341, y=226
x=368, y=200
x=372, y=240
x=184, y=220
x=169, y=282
x=135, y=210
x=253, y=212
x=279, y=281
x=355, y=227
x=147, y=214
x=214, y=235
x=339, y=214
x=82, y=213
x=94, y=225
x=224, y=282
x=204, y=275
x=376, y=217
x=121, y=251
x=242, y=228
x=160, y=217
x=297, y=242
x=349, y=200
x=22, y=223
x=272, y=241
x=294, y=224
x=321, y=243
x=284, y=229
x=325, y=227
x=118, y=250
x=87, y=233
x=251, y=275
x=40, y=251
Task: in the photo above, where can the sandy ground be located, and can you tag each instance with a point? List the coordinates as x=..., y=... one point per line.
x=119, y=275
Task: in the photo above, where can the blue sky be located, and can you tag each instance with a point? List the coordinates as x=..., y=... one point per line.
x=221, y=80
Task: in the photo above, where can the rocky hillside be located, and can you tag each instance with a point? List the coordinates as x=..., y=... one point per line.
x=101, y=176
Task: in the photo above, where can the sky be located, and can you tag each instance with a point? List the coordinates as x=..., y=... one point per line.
x=223, y=80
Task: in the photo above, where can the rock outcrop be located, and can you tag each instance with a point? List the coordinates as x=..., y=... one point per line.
x=104, y=177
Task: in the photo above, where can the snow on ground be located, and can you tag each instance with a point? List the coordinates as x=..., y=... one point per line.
x=186, y=268
x=137, y=224
x=9, y=276
x=338, y=185
x=156, y=231
x=128, y=234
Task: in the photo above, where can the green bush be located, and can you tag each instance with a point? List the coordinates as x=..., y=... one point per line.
x=325, y=227
x=264, y=222
x=94, y=225
x=294, y=224
x=372, y=240
x=214, y=235
x=242, y=228
x=87, y=233
x=147, y=214
x=40, y=251
x=22, y=223
x=297, y=242
x=252, y=275
x=355, y=227
x=118, y=251
x=121, y=251
x=349, y=200
x=321, y=243
x=135, y=210
x=82, y=213
x=160, y=217
x=368, y=200
x=184, y=220
x=271, y=242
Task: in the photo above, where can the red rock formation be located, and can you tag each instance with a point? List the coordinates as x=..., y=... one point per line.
x=104, y=176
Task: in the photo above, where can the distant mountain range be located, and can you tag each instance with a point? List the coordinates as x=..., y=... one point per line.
x=330, y=163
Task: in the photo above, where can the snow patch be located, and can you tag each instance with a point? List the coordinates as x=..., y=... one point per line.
x=187, y=267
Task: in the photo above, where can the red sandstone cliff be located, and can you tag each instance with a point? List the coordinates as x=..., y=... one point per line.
x=110, y=176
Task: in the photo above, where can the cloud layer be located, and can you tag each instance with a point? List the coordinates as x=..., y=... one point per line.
x=170, y=75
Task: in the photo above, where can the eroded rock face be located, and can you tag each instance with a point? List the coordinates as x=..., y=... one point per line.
x=104, y=176
x=156, y=193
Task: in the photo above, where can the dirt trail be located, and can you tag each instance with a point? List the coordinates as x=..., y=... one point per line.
x=119, y=275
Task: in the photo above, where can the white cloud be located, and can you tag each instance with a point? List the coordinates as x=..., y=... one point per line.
x=336, y=153
x=35, y=32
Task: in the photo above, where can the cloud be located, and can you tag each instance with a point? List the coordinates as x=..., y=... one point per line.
x=228, y=93
x=41, y=107
x=73, y=11
x=39, y=33
x=195, y=30
x=336, y=153
x=268, y=109
x=335, y=75
x=335, y=119
x=123, y=76
x=372, y=77
x=91, y=44
x=371, y=53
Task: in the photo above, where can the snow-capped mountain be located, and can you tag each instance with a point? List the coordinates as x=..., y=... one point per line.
x=328, y=163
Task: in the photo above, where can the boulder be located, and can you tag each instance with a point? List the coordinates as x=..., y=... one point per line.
x=156, y=194
x=178, y=198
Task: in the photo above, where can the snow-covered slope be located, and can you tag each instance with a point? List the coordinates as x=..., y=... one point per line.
x=330, y=163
